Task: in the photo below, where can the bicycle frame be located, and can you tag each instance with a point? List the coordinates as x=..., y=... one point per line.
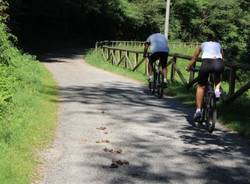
x=209, y=113
x=157, y=85
x=209, y=89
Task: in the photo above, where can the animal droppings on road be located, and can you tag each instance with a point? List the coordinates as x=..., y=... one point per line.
x=102, y=141
x=101, y=128
x=119, y=151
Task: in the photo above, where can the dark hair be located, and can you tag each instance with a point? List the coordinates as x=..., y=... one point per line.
x=154, y=29
x=212, y=37
x=157, y=29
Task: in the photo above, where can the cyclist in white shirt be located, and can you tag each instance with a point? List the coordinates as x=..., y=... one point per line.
x=212, y=62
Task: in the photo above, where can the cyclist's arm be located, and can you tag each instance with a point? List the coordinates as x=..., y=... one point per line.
x=194, y=58
x=222, y=53
x=146, y=46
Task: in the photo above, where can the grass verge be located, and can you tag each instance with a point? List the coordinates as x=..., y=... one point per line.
x=95, y=59
x=28, y=126
x=235, y=116
x=27, y=112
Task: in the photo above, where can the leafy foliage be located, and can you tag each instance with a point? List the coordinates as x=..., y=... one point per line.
x=13, y=77
x=3, y=8
x=25, y=101
x=227, y=20
x=91, y=20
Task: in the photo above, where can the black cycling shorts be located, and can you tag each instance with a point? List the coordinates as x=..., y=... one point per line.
x=162, y=56
x=215, y=66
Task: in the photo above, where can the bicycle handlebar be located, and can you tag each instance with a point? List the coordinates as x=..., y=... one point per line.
x=193, y=69
x=146, y=55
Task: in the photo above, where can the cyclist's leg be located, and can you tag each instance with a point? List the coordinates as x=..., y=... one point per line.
x=218, y=70
x=202, y=81
x=152, y=59
x=163, y=62
x=200, y=91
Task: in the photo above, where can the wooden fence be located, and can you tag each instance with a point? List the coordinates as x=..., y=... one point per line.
x=132, y=60
x=141, y=44
x=120, y=43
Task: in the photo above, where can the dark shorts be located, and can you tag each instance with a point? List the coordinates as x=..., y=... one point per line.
x=215, y=66
x=162, y=56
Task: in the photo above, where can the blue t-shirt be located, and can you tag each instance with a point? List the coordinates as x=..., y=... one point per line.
x=158, y=43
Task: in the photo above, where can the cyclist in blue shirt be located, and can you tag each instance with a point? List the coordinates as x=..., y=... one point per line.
x=212, y=62
x=159, y=50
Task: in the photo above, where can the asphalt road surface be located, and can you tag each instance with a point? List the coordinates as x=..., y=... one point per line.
x=110, y=131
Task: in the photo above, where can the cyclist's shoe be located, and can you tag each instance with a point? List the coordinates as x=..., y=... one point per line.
x=165, y=82
x=217, y=93
x=197, y=116
x=151, y=78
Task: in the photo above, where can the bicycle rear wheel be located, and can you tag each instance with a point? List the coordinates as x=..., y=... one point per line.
x=211, y=114
x=152, y=84
x=151, y=87
x=160, y=87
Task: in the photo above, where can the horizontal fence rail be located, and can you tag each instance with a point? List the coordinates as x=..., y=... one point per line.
x=113, y=52
x=141, y=43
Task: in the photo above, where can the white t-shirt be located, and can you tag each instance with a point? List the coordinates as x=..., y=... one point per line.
x=211, y=50
x=158, y=43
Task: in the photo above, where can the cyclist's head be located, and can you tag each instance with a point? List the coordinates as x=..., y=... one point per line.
x=155, y=29
x=212, y=37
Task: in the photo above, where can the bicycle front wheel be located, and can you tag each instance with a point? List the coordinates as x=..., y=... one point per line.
x=151, y=87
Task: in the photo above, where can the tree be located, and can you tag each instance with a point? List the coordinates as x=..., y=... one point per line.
x=91, y=20
x=3, y=8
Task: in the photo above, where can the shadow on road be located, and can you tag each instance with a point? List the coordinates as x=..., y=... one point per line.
x=61, y=55
x=223, y=157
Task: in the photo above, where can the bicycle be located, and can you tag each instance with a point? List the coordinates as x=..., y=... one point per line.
x=209, y=111
x=157, y=86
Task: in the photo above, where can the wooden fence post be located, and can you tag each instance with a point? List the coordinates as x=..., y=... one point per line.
x=232, y=79
x=103, y=53
x=109, y=54
x=173, y=69
x=192, y=75
x=136, y=59
x=96, y=45
x=112, y=53
x=120, y=55
x=126, y=60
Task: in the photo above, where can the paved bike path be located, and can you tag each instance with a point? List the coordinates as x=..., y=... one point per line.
x=153, y=135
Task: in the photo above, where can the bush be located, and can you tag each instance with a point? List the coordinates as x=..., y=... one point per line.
x=27, y=94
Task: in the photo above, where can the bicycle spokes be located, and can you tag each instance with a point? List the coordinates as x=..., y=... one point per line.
x=157, y=85
x=160, y=85
x=211, y=115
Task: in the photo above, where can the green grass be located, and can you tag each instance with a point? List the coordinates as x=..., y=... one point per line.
x=27, y=113
x=94, y=58
x=235, y=116
x=27, y=128
x=186, y=50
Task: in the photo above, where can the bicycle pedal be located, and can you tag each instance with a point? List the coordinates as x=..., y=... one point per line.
x=198, y=124
x=217, y=99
